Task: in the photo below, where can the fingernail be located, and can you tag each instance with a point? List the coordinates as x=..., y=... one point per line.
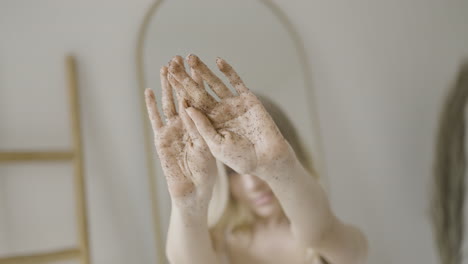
x=220, y=63
x=175, y=66
x=148, y=91
x=179, y=59
x=192, y=60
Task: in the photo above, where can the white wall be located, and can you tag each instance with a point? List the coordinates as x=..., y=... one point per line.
x=380, y=70
x=34, y=38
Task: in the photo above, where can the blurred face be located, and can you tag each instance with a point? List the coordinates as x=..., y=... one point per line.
x=254, y=193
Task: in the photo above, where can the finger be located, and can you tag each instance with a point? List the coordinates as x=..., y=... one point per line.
x=179, y=88
x=213, y=81
x=232, y=76
x=197, y=78
x=153, y=112
x=180, y=61
x=204, y=127
x=198, y=97
x=167, y=98
x=188, y=123
x=194, y=76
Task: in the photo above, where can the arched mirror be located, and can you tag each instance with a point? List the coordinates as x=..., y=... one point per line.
x=256, y=38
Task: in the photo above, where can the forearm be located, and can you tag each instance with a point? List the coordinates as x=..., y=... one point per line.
x=303, y=200
x=344, y=244
x=312, y=221
x=188, y=238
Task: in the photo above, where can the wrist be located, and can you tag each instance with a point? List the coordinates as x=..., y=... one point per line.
x=281, y=164
x=190, y=215
x=197, y=200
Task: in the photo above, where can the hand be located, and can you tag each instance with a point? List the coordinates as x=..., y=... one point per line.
x=238, y=130
x=186, y=161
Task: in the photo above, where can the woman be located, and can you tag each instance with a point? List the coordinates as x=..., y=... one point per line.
x=282, y=213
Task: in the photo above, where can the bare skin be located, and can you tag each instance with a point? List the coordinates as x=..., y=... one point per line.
x=185, y=157
x=190, y=170
x=272, y=229
x=239, y=132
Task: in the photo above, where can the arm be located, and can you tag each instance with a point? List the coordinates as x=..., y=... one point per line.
x=312, y=221
x=188, y=238
x=190, y=171
x=241, y=134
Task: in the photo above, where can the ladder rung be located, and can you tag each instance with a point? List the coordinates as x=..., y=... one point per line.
x=47, y=257
x=35, y=156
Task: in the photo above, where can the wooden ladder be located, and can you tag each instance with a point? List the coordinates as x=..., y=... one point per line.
x=75, y=155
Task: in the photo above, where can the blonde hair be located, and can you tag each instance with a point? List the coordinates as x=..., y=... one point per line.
x=225, y=214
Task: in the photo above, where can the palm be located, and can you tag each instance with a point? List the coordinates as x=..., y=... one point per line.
x=185, y=164
x=250, y=137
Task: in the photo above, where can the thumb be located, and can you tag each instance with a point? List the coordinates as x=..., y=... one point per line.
x=204, y=127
